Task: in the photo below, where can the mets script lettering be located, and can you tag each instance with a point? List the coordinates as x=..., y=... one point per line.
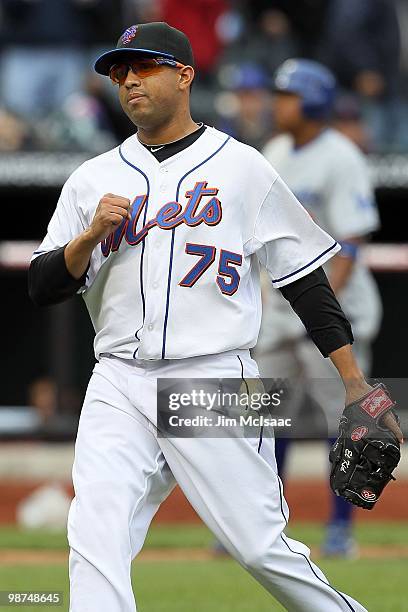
x=170, y=215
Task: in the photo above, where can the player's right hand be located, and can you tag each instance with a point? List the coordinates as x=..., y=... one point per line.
x=111, y=211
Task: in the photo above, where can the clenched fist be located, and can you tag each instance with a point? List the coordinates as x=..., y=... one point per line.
x=111, y=211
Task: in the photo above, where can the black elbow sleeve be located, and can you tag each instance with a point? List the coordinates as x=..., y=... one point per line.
x=49, y=281
x=313, y=300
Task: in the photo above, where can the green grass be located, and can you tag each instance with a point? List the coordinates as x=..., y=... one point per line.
x=219, y=585
x=374, y=534
x=183, y=587
x=196, y=536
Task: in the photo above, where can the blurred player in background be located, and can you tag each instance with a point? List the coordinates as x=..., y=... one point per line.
x=246, y=113
x=328, y=174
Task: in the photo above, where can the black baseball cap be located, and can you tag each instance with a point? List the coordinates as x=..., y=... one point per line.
x=155, y=39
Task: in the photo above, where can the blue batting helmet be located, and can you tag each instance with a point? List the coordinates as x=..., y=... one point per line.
x=312, y=81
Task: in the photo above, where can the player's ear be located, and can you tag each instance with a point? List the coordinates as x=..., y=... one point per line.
x=186, y=76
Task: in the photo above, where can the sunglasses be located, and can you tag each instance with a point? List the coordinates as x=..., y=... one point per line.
x=142, y=68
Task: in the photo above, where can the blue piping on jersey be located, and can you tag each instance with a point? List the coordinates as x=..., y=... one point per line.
x=172, y=244
x=143, y=243
x=278, y=280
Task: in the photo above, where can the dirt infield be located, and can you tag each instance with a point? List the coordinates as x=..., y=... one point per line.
x=48, y=557
x=308, y=501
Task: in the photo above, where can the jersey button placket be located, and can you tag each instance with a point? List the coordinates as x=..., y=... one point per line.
x=163, y=183
x=158, y=244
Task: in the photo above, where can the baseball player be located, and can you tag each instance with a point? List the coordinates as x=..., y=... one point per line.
x=162, y=236
x=329, y=176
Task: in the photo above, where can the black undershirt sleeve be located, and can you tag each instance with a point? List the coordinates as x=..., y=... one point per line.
x=49, y=281
x=313, y=300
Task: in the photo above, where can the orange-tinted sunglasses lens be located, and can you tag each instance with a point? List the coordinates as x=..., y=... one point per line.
x=142, y=68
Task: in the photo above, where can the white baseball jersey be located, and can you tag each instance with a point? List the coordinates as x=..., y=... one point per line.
x=330, y=178
x=181, y=278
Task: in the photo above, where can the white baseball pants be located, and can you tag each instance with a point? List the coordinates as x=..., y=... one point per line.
x=122, y=472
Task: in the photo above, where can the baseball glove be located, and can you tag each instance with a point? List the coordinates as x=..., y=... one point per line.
x=366, y=452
